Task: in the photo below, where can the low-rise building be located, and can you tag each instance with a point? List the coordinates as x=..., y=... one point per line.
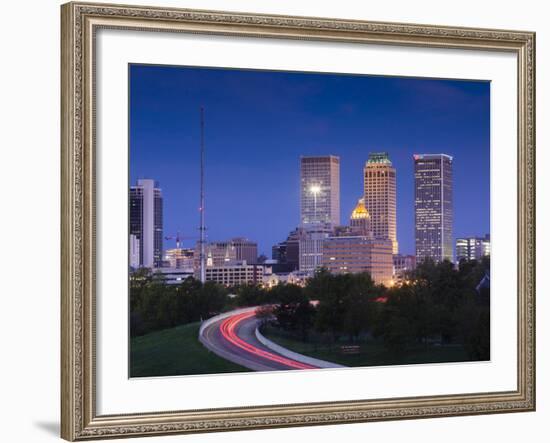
x=403, y=264
x=353, y=249
x=134, y=251
x=236, y=274
x=295, y=278
x=180, y=258
x=472, y=248
x=173, y=276
x=355, y=254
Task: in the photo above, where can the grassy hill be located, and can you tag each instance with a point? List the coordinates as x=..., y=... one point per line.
x=175, y=351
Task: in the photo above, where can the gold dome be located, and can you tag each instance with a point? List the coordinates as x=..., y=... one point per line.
x=360, y=211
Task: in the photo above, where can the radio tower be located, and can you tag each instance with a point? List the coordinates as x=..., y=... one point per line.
x=202, y=228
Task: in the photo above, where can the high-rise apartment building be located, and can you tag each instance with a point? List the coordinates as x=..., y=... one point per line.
x=380, y=197
x=146, y=221
x=320, y=191
x=433, y=206
x=472, y=248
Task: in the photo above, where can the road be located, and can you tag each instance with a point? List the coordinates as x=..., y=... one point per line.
x=234, y=339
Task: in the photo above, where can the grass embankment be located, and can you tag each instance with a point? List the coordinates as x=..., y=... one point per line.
x=175, y=351
x=372, y=353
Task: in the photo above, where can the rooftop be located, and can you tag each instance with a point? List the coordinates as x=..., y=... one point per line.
x=379, y=157
x=360, y=211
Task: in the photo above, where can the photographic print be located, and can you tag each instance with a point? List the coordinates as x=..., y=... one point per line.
x=290, y=220
x=316, y=210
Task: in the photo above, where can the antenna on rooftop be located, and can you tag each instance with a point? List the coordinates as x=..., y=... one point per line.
x=202, y=228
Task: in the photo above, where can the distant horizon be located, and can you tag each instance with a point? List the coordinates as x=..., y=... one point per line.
x=254, y=144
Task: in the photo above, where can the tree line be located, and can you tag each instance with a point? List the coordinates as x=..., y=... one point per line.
x=436, y=303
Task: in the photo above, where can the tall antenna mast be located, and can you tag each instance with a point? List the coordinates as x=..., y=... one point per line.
x=202, y=228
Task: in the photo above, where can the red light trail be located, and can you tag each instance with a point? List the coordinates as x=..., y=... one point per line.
x=228, y=330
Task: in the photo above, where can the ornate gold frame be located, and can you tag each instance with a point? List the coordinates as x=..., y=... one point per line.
x=79, y=420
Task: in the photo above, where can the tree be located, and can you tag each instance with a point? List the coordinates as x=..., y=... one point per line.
x=251, y=295
x=331, y=291
x=294, y=312
x=439, y=303
x=213, y=297
x=156, y=305
x=264, y=313
x=359, y=305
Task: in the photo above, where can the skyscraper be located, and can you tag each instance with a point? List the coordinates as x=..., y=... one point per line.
x=146, y=221
x=380, y=199
x=433, y=206
x=320, y=191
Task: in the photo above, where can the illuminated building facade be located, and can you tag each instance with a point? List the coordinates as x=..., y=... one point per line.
x=403, y=264
x=320, y=191
x=134, y=251
x=356, y=250
x=311, y=248
x=146, y=221
x=472, y=248
x=360, y=220
x=235, y=274
x=180, y=258
x=174, y=276
x=433, y=207
x=380, y=197
x=355, y=254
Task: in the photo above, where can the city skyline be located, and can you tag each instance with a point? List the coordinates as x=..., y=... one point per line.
x=264, y=205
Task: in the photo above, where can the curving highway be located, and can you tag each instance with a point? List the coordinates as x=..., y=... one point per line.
x=232, y=336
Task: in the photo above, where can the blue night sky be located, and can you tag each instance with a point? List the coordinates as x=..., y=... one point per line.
x=258, y=123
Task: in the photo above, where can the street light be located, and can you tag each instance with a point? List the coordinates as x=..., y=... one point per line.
x=315, y=190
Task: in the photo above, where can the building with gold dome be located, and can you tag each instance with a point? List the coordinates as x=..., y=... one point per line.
x=359, y=221
x=354, y=249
